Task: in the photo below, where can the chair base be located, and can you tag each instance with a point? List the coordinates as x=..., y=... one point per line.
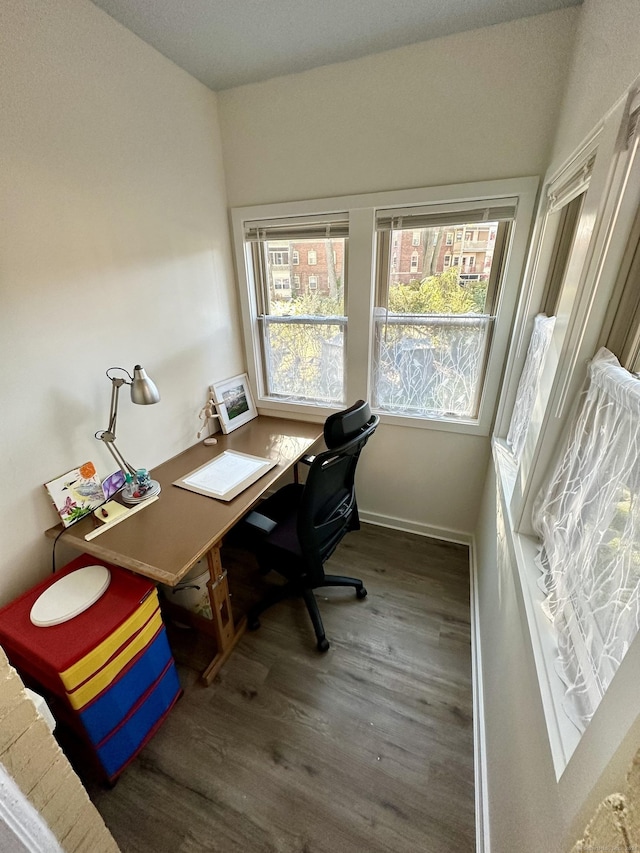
x=295, y=590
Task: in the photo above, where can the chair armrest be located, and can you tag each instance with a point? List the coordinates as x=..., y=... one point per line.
x=307, y=459
x=259, y=522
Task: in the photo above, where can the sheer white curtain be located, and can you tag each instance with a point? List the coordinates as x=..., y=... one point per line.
x=588, y=519
x=528, y=384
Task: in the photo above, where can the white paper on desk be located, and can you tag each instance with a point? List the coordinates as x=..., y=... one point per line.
x=227, y=475
x=225, y=472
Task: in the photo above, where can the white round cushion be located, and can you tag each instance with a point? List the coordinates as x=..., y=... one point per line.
x=70, y=595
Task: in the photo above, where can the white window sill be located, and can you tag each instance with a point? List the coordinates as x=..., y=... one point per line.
x=563, y=735
x=320, y=411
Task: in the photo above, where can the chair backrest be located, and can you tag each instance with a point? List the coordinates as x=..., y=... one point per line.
x=342, y=426
x=328, y=507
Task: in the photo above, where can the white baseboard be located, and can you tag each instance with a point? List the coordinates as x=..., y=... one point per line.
x=457, y=536
x=483, y=838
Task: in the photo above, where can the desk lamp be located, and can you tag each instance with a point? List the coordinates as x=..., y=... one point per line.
x=144, y=392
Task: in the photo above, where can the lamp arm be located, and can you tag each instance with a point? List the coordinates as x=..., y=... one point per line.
x=113, y=450
x=116, y=384
x=108, y=436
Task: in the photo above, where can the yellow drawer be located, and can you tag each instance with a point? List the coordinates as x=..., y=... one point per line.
x=97, y=657
x=103, y=678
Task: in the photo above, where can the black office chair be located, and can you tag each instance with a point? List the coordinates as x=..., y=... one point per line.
x=302, y=524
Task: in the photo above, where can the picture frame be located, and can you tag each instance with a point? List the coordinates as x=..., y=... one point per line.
x=234, y=402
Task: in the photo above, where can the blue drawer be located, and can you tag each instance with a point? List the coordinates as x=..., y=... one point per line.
x=111, y=706
x=127, y=740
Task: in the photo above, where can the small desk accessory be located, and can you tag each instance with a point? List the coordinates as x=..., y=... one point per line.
x=112, y=484
x=227, y=475
x=115, y=516
x=144, y=392
x=207, y=412
x=76, y=493
x=109, y=511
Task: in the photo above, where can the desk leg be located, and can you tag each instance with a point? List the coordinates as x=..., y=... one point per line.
x=223, y=629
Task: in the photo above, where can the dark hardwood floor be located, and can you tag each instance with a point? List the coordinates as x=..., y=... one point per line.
x=365, y=749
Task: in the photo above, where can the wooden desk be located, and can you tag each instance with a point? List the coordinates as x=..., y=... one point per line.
x=166, y=539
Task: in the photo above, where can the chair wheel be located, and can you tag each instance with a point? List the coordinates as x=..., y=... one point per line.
x=323, y=645
x=361, y=593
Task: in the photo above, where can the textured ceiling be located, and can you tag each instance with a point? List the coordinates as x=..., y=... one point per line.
x=226, y=43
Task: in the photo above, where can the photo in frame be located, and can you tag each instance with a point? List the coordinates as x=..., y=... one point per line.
x=234, y=402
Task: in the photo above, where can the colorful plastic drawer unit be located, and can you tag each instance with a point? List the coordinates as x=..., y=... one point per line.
x=111, y=665
x=118, y=700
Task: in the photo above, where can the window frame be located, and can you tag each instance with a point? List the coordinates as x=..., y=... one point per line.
x=610, y=206
x=361, y=272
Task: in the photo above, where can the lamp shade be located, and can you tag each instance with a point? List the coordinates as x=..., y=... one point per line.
x=143, y=390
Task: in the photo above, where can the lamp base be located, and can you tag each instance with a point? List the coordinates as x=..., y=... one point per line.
x=130, y=495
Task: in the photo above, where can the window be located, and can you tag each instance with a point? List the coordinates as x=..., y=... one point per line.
x=568, y=218
x=300, y=333
x=281, y=282
x=456, y=260
x=424, y=346
x=449, y=240
x=416, y=238
x=570, y=498
x=279, y=257
x=432, y=341
x=624, y=336
x=588, y=519
x=295, y=256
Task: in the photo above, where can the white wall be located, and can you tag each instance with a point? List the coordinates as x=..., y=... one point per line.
x=114, y=250
x=476, y=106
x=469, y=107
x=528, y=810
x=605, y=63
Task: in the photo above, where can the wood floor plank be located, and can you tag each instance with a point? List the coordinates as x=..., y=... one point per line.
x=366, y=749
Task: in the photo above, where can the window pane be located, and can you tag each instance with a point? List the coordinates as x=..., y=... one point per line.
x=433, y=321
x=624, y=337
x=304, y=327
